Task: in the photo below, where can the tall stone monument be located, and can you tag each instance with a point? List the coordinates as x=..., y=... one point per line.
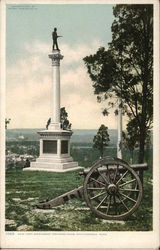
x=55, y=141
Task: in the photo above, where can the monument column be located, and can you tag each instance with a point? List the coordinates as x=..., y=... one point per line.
x=119, y=141
x=54, y=140
x=55, y=56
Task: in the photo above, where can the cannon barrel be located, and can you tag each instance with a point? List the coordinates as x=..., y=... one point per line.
x=136, y=167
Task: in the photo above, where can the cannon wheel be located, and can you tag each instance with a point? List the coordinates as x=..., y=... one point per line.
x=112, y=189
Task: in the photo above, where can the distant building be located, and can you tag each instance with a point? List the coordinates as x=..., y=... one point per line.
x=21, y=137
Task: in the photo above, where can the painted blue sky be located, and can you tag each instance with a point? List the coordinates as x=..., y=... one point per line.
x=85, y=28
x=77, y=23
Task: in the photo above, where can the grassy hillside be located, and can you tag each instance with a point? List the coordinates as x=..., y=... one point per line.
x=25, y=189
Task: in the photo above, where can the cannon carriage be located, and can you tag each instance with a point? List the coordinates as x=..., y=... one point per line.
x=112, y=189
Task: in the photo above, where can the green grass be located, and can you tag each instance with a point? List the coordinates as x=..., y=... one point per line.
x=25, y=189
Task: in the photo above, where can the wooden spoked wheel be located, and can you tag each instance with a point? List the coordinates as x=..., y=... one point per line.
x=112, y=189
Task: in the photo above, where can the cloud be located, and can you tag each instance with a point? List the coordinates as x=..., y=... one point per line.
x=29, y=88
x=71, y=54
x=79, y=51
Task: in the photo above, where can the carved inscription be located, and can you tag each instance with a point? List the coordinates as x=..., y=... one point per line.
x=64, y=147
x=49, y=147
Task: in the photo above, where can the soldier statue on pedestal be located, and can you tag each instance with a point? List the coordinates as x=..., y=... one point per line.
x=54, y=37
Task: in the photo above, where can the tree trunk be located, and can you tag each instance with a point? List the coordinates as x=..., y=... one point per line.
x=131, y=159
x=102, y=149
x=141, y=146
x=145, y=77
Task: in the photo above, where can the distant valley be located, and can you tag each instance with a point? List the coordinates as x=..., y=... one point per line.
x=82, y=136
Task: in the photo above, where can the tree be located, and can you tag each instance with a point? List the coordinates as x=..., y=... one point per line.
x=148, y=146
x=66, y=125
x=101, y=139
x=126, y=69
x=130, y=137
x=7, y=121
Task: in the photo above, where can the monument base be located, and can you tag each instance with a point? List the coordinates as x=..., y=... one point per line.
x=59, y=168
x=55, y=169
x=54, y=153
x=54, y=164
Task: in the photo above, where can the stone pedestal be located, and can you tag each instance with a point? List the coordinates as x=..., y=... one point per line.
x=54, y=152
x=55, y=142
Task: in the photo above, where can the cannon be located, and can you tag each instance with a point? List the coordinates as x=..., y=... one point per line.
x=112, y=189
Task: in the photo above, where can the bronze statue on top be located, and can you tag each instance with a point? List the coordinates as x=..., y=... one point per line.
x=54, y=37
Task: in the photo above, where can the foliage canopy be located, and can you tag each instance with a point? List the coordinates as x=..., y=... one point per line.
x=125, y=69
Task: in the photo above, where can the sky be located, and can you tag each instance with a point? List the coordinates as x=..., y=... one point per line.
x=85, y=28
